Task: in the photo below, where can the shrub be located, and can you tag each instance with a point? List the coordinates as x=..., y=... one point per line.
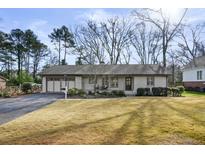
x=175, y=92
x=105, y=93
x=119, y=93
x=90, y=93
x=147, y=91
x=75, y=91
x=36, y=87
x=81, y=92
x=156, y=91
x=159, y=91
x=72, y=91
x=169, y=91
x=140, y=91
x=164, y=91
x=6, y=93
x=26, y=87
x=181, y=89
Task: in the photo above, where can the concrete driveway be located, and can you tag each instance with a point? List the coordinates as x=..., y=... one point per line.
x=12, y=108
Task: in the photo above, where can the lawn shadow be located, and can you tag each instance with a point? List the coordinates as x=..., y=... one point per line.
x=137, y=116
x=185, y=114
x=61, y=129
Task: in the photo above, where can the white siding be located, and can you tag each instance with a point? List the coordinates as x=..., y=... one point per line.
x=83, y=83
x=160, y=81
x=63, y=83
x=191, y=74
x=44, y=84
x=78, y=82
x=140, y=82
x=71, y=84
x=86, y=85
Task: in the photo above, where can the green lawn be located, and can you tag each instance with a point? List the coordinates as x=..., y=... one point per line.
x=131, y=120
x=193, y=93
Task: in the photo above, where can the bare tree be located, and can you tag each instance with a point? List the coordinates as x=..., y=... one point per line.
x=174, y=67
x=114, y=37
x=163, y=23
x=146, y=43
x=191, y=44
x=107, y=40
x=126, y=55
x=88, y=45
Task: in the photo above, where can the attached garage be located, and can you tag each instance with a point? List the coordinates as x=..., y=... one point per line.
x=104, y=77
x=54, y=84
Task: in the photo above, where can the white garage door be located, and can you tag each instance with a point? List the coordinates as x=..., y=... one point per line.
x=53, y=85
x=50, y=86
x=56, y=86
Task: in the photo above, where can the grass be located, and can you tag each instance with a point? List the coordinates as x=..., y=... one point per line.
x=193, y=93
x=131, y=120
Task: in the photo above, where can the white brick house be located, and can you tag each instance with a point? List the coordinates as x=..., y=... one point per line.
x=126, y=77
x=194, y=74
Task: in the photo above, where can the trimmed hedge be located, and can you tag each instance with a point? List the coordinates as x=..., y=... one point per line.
x=140, y=91
x=143, y=92
x=160, y=91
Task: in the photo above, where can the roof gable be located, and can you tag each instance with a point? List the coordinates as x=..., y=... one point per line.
x=198, y=62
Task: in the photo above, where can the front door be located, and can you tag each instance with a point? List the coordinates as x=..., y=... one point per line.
x=128, y=83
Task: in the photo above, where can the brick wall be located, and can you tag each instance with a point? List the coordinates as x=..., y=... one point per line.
x=195, y=84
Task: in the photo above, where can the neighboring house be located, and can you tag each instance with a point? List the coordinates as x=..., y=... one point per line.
x=126, y=77
x=2, y=82
x=194, y=75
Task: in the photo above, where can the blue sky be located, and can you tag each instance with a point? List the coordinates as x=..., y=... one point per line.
x=42, y=21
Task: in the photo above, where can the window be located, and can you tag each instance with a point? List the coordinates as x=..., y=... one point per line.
x=128, y=83
x=199, y=75
x=114, y=82
x=91, y=80
x=105, y=81
x=150, y=81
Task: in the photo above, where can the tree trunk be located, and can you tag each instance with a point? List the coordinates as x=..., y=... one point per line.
x=173, y=75
x=164, y=58
x=59, y=53
x=19, y=64
x=65, y=53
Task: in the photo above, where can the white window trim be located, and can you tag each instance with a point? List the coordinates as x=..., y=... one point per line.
x=114, y=84
x=150, y=80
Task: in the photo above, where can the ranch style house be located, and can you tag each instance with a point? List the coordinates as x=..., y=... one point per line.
x=104, y=77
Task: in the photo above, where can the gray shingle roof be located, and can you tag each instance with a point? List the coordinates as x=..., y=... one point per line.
x=103, y=69
x=198, y=62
